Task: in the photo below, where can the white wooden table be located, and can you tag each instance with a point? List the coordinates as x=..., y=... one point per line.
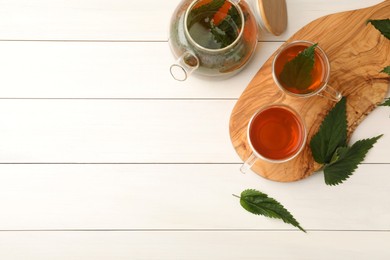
x=104, y=156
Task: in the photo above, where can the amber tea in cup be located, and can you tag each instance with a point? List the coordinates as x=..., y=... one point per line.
x=319, y=74
x=276, y=134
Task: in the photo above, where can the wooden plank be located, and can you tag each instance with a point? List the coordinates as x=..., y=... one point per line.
x=109, y=70
x=186, y=196
x=133, y=131
x=85, y=20
x=115, y=131
x=194, y=245
x=122, y=20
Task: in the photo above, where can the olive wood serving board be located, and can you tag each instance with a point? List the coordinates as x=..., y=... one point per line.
x=357, y=53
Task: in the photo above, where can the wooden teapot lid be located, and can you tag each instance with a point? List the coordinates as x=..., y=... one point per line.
x=273, y=15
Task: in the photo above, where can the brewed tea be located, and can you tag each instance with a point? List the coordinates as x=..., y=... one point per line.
x=276, y=133
x=214, y=24
x=220, y=35
x=317, y=73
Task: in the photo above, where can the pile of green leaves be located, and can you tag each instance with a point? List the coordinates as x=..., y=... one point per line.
x=329, y=146
x=297, y=73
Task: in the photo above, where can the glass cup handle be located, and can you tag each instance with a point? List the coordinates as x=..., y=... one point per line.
x=248, y=163
x=184, y=66
x=330, y=93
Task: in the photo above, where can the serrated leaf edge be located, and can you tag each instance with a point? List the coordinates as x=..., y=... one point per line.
x=296, y=224
x=322, y=127
x=339, y=181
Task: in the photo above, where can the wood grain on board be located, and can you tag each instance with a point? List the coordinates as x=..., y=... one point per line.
x=357, y=53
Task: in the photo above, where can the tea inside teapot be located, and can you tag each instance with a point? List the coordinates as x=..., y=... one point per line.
x=215, y=25
x=218, y=37
x=213, y=37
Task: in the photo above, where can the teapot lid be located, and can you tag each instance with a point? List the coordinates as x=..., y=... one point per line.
x=272, y=15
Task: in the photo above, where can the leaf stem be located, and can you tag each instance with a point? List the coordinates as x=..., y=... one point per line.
x=236, y=196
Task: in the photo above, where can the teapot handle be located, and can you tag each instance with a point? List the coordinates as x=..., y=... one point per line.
x=184, y=66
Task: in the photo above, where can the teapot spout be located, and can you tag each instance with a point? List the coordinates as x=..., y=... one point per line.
x=184, y=66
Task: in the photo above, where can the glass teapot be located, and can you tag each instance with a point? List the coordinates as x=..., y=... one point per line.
x=218, y=37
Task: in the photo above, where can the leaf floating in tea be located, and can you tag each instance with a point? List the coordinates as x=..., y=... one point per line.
x=215, y=24
x=297, y=73
x=382, y=25
x=226, y=31
x=201, y=12
x=206, y=6
x=222, y=13
x=233, y=16
x=224, y=34
x=386, y=70
x=259, y=203
x=220, y=36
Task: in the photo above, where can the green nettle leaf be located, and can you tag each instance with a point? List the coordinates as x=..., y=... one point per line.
x=382, y=25
x=203, y=11
x=329, y=146
x=213, y=6
x=386, y=70
x=331, y=135
x=339, y=153
x=386, y=103
x=228, y=29
x=220, y=36
x=236, y=17
x=297, y=73
x=259, y=203
x=349, y=159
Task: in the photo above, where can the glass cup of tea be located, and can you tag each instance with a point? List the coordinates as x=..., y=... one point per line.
x=320, y=73
x=276, y=134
